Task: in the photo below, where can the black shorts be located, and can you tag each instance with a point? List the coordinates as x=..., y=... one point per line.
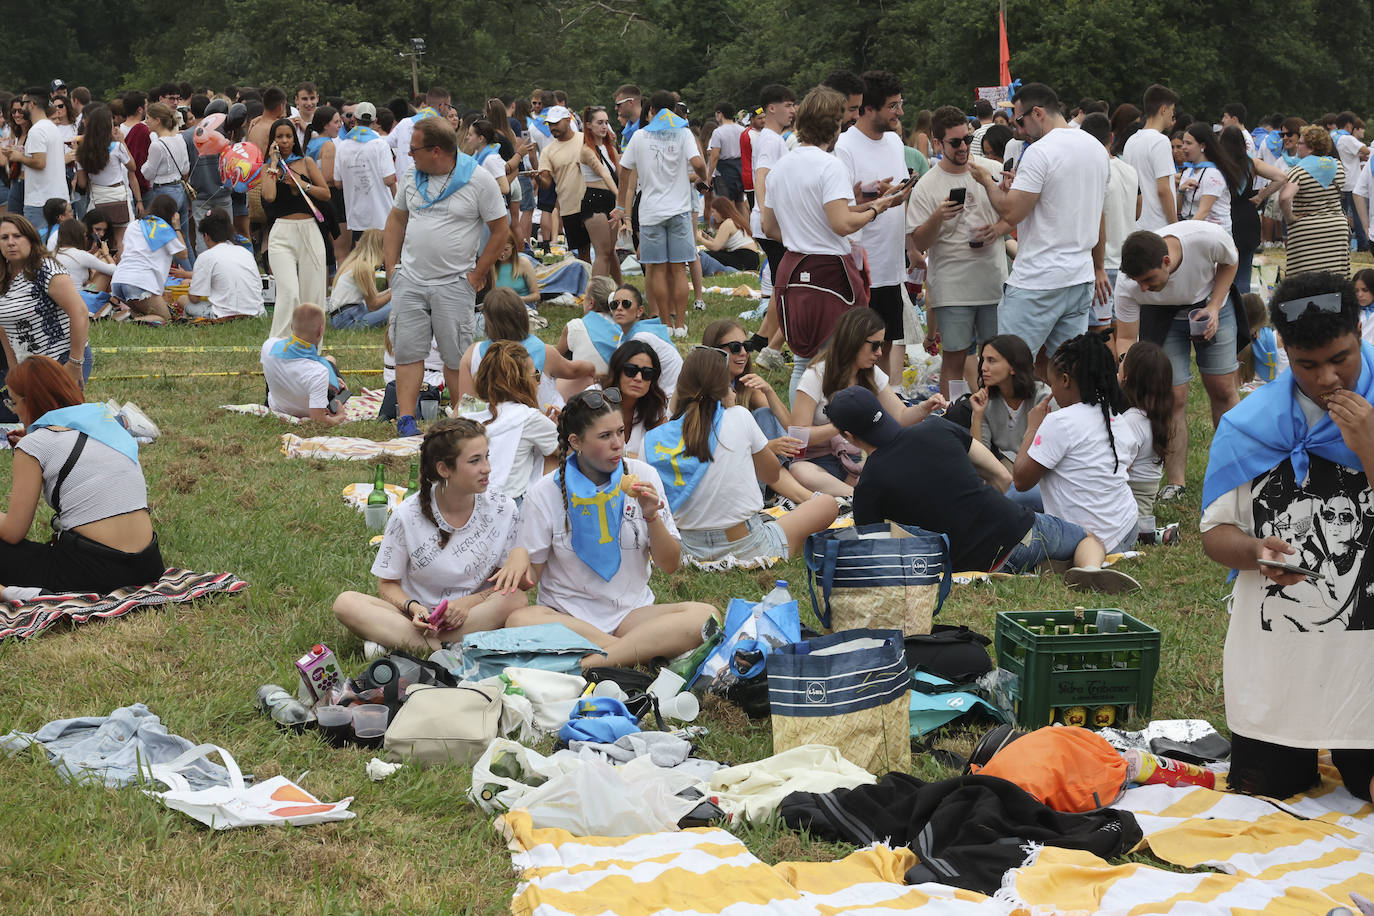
x=575, y=232
x=597, y=200
x=773, y=251
x=729, y=181
x=547, y=198
x=78, y=564
x=1276, y=771
x=887, y=302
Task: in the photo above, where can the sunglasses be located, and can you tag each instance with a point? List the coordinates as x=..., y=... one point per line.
x=875, y=345
x=1021, y=121
x=1331, y=515
x=648, y=373
x=1294, y=309
x=719, y=350
x=1291, y=133
x=735, y=346
x=618, y=304
x=9, y=404
x=59, y=105
x=597, y=399
x=958, y=141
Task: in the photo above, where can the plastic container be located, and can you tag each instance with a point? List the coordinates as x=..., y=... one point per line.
x=375, y=517
x=1197, y=325
x=1144, y=769
x=1057, y=668
x=779, y=595
x=369, y=724
x=283, y=708
x=336, y=724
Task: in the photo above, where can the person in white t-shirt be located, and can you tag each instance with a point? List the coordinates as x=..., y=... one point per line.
x=398, y=138
x=87, y=269
x=225, y=282
x=363, y=164
x=443, y=545
x=766, y=149
x=152, y=245
x=1119, y=213
x=301, y=382
x=591, y=530
x=1187, y=268
x=1208, y=177
x=874, y=155
x=523, y=439
x=43, y=159
x=1056, y=199
x=711, y=457
x=1149, y=152
x=1353, y=153
x=1080, y=454
x=723, y=167
x=948, y=213
x=1233, y=115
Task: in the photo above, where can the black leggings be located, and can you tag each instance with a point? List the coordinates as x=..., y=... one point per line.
x=740, y=258
x=78, y=564
x=1277, y=771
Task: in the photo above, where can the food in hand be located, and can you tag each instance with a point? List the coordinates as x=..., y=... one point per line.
x=628, y=484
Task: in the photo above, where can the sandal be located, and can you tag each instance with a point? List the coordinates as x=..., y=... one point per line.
x=1172, y=492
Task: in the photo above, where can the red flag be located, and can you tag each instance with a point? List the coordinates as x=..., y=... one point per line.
x=1003, y=54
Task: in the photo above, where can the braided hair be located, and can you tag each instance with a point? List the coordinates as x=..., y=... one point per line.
x=443, y=443
x=575, y=419
x=1087, y=360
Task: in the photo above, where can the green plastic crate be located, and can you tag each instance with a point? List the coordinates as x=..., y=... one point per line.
x=1060, y=671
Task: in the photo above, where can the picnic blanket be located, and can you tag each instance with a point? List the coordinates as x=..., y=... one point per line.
x=20, y=619
x=741, y=291
x=362, y=406
x=726, y=563
x=356, y=494
x=348, y=448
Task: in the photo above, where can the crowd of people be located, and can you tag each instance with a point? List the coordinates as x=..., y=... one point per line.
x=1070, y=267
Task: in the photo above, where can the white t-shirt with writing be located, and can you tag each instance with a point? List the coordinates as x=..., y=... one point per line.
x=1068, y=169
x=870, y=160
x=42, y=185
x=570, y=585
x=1210, y=183
x=728, y=492
x=1080, y=484
x=766, y=148
x=293, y=385
x=410, y=551
x=227, y=276
x=662, y=163
x=1149, y=152
x=1123, y=185
x=363, y=168
x=799, y=187
x=958, y=274
x=1205, y=247
x=441, y=240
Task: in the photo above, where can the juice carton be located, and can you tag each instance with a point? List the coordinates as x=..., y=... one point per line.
x=320, y=675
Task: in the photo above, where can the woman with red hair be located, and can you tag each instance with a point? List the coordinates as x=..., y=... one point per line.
x=79, y=458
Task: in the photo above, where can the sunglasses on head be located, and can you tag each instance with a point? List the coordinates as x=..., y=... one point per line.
x=597, y=399
x=719, y=350
x=1294, y=309
x=648, y=373
x=626, y=303
x=958, y=141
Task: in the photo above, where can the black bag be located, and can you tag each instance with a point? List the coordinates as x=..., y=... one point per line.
x=385, y=680
x=956, y=654
x=635, y=683
x=1245, y=219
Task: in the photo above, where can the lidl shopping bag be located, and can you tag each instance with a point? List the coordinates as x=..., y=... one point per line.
x=848, y=690
x=885, y=576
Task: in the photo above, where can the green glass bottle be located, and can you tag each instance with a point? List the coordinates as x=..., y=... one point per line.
x=413, y=486
x=378, y=495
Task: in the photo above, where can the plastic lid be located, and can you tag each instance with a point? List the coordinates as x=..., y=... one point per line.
x=317, y=650
x=780, y=583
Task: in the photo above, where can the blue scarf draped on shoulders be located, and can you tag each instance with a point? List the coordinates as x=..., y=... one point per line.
x=665, y=447
x=156, y=232
x=362, y=134
x=537, y=122
x=594, y=516
x=1321, y=168
x=664, y=120
x=295, y=348
x=486, y=151
x=312, y=149
x=463, y=167
x=1269, y=426
x=606, y=335
x=96, y=421
x=1265, y=349
x=535, y=347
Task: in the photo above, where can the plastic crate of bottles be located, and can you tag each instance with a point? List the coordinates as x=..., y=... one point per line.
x=1066, y=667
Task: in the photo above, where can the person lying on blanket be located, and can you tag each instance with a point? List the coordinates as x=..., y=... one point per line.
x=936, y=476
x=441, y=546
x=1287, y=483
x=300, y=381
x=709, y=456
x=590, y=530
x=225, y=282
x=86, y=464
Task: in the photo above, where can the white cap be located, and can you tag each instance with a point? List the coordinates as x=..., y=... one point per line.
x=557, y=113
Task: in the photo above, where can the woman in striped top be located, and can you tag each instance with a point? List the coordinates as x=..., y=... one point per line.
x=1318, y=234
x=40, y=310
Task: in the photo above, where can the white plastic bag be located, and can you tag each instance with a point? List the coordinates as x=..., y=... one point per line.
x=275, y=801
x=493, y=793
x=552, y=694
x=598, y=800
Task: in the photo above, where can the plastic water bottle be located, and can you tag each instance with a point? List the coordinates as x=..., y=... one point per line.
x=285, y=709
x=779, y=595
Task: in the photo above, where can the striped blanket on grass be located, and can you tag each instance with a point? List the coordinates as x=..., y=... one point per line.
x=20, y=619
x=362, y=406
x=348, y=448
x=1307, y=854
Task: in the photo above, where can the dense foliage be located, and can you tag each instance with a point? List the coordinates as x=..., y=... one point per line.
x=1295, y=56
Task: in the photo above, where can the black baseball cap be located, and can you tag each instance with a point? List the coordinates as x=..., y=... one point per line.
x=856, y=411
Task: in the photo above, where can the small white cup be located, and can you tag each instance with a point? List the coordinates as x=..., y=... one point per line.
x=609, y=689
x=375, y=516
x=683, y=708
x=429, y=409
x=667, y=685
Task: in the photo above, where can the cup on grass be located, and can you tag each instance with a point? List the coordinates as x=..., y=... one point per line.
x=369, y=724
x=375, y=516
x=335, y=723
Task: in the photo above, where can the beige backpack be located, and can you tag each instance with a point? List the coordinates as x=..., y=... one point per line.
x=438, y=725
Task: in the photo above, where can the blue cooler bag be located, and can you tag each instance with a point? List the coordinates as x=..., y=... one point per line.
x=886, y=576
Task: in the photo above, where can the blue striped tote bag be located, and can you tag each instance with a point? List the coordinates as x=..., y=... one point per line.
x=886, y=576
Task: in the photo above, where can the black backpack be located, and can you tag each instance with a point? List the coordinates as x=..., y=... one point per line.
x=955, y=653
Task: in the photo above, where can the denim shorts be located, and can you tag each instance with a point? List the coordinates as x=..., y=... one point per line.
x=765, y=539
x=828, y=463
x=1216, y=357
x=1051, y=538
x=668, y=242
x=526, y=193
x=1044, y=317
x=130, y=293
x=961, y=326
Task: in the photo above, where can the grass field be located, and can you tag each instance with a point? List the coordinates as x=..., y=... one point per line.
x=224, y=498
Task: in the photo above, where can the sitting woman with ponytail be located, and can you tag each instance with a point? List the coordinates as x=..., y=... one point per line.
x=522, y=439
x=708, y=456
x=1079, y=454
x=461, y=531
x=508, y=319
x=592, y=528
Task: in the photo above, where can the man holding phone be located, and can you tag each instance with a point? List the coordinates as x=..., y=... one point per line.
x=951, y=219
x=1286, y=484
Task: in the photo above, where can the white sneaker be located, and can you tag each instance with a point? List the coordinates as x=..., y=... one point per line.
x=768, y=358
x=679, y=333
x=373, y=650
x=699, y=305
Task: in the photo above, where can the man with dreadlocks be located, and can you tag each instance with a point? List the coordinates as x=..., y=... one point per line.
x=1079, y=455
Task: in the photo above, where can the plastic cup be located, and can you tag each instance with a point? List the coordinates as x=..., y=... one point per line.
x=1197, y=325
x=682, y=708
x=1108, y=621
x=610, y=689
x=667, y=685
x=336, y=724
x=369, y=724
x=800, y=432
x=957, y=389
x=975, y=236
x=375, y=516
x=1145, y=524
x=429, y=408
